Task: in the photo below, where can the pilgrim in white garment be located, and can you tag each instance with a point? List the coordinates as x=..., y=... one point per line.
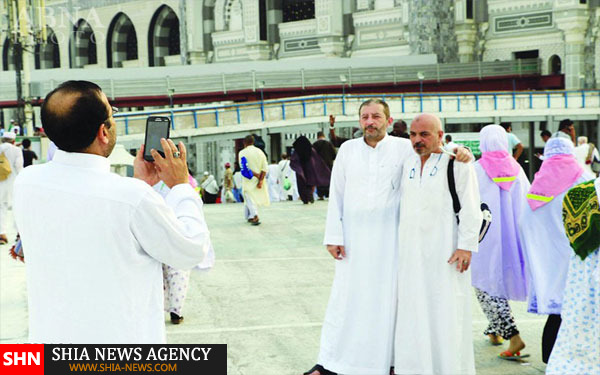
x=433, y=321
x=97, y=242
x=273, y=181
x=360, y=232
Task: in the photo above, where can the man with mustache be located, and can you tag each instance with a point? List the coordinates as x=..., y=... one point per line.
x=361, y=234
x=433, y=320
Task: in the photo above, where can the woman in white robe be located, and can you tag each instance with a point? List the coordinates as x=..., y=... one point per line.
x=546, y=248
x=577, y=347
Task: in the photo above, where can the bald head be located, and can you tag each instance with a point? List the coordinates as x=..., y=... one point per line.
x=426, y=134
x=73, y=113
x=427, y=119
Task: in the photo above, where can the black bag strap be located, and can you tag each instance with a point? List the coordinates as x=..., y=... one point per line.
x=452, y=187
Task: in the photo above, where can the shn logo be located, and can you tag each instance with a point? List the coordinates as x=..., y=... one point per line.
x=21, y=359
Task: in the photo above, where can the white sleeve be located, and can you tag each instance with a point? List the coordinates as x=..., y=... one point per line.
x=470, y=217
x=18, y=161
x=334, y=231
x=172, y=230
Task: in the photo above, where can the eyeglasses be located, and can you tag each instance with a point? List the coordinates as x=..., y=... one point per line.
x=114, y=110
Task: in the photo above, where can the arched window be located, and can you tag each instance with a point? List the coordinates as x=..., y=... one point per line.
x=163, y=36
x=47, y=56
x=121, y=44
x=8, y=57
x=85, y=44
x=298, y=10
x=554, y=65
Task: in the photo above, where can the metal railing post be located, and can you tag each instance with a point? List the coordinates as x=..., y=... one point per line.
x=195, y=119
x=239, y=118
x=283, y=110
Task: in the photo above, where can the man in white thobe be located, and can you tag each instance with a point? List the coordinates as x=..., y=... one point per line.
x=14, y=158
x=287, y=173
x=253, y=189
x=97, y=242
x=273, y=180
x=361, y=233
x=433, y=321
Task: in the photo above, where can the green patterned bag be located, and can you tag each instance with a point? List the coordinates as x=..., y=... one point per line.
x=581, y=216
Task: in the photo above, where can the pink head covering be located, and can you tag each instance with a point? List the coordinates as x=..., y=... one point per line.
x=559, y=172
x=499, y=165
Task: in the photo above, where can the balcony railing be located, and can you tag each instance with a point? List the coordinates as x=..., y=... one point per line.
x=142, y=82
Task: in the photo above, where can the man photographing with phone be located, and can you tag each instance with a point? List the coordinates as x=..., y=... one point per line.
x=95, y=245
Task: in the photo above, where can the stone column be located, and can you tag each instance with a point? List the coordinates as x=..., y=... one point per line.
x=572, y=18
x=200, y=25
x=330, y=26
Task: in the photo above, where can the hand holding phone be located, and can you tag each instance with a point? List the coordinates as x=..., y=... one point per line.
x=157, y=127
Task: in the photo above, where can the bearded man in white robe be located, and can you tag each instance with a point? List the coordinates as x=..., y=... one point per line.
x=433, y=320
x=361, y=234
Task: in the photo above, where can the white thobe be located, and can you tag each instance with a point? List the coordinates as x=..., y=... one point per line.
x=14, y=155
x=95, y=248
x=433, y=326
x=273, y=180
x=581, y=152
x=287, y=171
x=358, y=331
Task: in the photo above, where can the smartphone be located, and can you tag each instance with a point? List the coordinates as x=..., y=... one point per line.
x=157, y=127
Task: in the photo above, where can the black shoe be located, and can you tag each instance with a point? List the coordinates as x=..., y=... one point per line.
x=176, y=319
x=321, y=370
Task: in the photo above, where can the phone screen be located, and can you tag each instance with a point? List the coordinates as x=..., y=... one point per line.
x=156, y=128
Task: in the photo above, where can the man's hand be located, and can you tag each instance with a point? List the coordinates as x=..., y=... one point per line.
x=331, y=121
x=463, y=259
x=337, y=251
x=144, y=170
x=463, y=154
x=171, y=170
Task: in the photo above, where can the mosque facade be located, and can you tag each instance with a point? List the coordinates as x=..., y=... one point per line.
x=114, y=34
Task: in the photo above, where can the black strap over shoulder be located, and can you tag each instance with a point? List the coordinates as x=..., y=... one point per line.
x=452, y=187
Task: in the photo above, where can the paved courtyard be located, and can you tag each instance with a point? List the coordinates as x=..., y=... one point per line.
x=266, y=296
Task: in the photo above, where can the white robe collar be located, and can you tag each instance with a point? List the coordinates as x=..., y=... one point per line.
x=385, y=139
x=82, y=160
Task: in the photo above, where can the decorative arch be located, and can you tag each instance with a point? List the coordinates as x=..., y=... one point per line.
x=47, y=56
x=8, y=57
x=554, y=65
x=163, y=36
x=85, y=44
x=121, y=42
